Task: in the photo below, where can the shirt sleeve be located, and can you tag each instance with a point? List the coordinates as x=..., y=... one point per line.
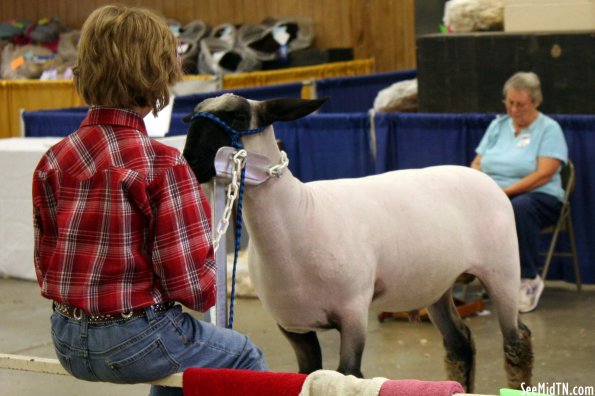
x=553, y=143
x=489, y=137
x=38, y=235
x=182, y=249
x=44, y=220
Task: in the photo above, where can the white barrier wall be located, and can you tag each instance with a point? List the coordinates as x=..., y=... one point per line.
x=549, y=15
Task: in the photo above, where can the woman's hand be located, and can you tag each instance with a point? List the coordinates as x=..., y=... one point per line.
x=546, y=169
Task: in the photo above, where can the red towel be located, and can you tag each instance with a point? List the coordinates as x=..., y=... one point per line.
x=420, y=388
x=230, y=382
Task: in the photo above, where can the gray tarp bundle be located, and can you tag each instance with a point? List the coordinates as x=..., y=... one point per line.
x=231, y=49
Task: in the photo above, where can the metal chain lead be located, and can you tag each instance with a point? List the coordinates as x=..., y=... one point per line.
x=277, y=170
x=232, y=190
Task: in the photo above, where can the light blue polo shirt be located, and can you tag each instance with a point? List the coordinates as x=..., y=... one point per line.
x=507, y=158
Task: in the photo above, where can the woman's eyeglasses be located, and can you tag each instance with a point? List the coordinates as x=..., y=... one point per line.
x=512, y=104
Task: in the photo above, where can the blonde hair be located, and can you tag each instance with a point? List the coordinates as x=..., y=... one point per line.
x=127, y=57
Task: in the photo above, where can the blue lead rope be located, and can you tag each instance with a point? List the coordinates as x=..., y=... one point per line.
x=235, y=142
x=236, y=249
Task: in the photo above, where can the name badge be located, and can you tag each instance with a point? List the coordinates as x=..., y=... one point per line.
x=523, y=140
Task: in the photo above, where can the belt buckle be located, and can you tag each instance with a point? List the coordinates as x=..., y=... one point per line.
x=77, y=313
x=127, y=315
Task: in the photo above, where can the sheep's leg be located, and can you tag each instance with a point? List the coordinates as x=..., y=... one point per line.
x=518, y=351
x=460, y=350
x=518, y=358
x=353, y=339
x=307, y=350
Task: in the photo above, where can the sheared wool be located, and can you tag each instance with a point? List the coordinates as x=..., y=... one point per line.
x=400, y=96
x=474, y=15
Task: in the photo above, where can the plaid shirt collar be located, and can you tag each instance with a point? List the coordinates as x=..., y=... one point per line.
x=102, y=115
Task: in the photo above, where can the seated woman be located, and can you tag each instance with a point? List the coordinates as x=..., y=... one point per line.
x=523, y=152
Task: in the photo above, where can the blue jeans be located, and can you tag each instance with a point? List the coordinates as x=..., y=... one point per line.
x=148, y=348
x=532, y=212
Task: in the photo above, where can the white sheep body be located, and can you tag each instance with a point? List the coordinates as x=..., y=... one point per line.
x=342, y=239
x=322, y=253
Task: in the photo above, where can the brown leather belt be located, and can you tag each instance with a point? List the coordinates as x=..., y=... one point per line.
x=71, y=312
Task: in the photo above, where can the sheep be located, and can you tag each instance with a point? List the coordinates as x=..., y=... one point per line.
x=321, y=254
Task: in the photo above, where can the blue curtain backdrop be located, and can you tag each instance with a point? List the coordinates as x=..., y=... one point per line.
x=184, y=105
x=64, y=121
x=420, y=140
x=327, y=146
x=356, y=94
x=407, y=140
x=339, y=145
x=53, y=123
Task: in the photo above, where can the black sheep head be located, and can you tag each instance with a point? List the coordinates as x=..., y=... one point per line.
x=206, y=137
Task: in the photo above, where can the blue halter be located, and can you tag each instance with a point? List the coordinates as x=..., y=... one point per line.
x=233, y=134
x=235, y=142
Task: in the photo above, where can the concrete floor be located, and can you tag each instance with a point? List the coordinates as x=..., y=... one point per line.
x=563, y=335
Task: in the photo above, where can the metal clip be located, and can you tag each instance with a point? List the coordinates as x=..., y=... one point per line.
x=77, y=313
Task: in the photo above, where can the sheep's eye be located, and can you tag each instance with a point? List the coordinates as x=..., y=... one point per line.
x=240, y=121
x=241, y=117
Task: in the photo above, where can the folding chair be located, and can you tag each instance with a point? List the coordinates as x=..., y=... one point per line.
x=564, y=224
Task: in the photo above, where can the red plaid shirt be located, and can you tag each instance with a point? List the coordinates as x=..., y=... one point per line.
x=120, y=221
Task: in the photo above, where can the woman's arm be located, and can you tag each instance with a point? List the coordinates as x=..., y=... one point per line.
x=546, y=168
x=475, y=162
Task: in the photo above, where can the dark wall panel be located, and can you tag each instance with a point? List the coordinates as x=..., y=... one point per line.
x=465, y=72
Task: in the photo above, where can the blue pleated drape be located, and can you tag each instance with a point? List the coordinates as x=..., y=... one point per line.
x=184, y=105
x=326, y=146
x=420, y=140
x=357, y=93
x=53, y=123
x=344, y=144
x=407, y=140
x=580, y=137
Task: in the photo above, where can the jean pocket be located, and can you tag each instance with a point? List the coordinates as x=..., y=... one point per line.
x=75, y=364
x=150, y=363
x=64, y=361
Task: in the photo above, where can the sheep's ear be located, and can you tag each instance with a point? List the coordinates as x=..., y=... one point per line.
x=286, y=109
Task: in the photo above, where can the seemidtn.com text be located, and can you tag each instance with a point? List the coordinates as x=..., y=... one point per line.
x=558, y=389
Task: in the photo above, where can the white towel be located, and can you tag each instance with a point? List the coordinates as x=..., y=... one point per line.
x=332, y=383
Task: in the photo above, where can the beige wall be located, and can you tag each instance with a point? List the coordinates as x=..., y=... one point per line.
x=383, y=29
x=549, y=15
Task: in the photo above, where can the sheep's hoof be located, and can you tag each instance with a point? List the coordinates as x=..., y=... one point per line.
x=518, y=359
